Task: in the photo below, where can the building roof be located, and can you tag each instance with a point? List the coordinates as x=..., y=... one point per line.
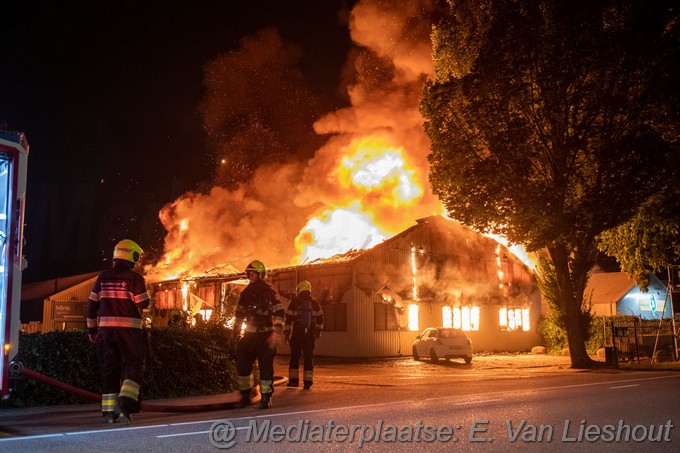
x=79, y=292
x=339, y=259
x=609, y=287
x=46, y=288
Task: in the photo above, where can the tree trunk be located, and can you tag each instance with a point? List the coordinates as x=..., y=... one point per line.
x=571, y=305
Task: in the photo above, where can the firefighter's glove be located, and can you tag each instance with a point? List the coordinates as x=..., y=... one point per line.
x=317, y=334
x=92, y=337
x=286, y=338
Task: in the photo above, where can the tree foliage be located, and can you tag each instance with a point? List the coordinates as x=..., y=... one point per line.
x=552, y=122
x=648, y=241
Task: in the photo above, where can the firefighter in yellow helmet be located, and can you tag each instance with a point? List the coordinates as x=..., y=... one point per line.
x=114, y=323
x=263, y=314
x=304, y=317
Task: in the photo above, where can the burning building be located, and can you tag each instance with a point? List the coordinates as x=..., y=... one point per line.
x=436, y=273
x=326, y=216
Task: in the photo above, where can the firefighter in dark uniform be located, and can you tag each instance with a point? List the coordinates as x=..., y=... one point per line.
x=263, y=314
x=114, y=323
x=305, y=318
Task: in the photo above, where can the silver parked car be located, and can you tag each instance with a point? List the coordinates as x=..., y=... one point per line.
x=443, y=342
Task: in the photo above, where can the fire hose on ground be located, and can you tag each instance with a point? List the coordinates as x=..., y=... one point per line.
x=17, y=369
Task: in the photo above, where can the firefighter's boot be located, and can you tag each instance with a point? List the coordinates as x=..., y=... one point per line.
x=293, y=377
x=111, y=417
x=308, y=379
x=122, y=410
x=244, y=401
x=266, y=401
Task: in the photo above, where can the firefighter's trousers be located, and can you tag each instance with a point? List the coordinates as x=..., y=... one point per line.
x=250, y=347
x=301, y=344
x=120, y=353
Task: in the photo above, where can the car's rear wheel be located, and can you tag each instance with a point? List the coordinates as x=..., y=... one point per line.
x=415, y=354
x=468, y=359
x=433, y=356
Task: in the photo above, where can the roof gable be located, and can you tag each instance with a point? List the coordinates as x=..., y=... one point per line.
x=46, y=288
x=608, y=287
x=82, y=290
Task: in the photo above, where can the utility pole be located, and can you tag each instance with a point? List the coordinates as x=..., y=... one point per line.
x=673, y=286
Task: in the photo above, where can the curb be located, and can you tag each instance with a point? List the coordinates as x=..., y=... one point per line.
x=201, y=407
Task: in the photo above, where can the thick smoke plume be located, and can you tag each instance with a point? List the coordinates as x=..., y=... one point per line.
x=258, y=111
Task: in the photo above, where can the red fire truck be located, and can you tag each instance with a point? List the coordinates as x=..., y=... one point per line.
x=13, y=163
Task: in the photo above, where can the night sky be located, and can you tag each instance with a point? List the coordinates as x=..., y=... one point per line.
x=108, y=94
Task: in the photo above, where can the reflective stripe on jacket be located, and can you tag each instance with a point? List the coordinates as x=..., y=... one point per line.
x=117, y=299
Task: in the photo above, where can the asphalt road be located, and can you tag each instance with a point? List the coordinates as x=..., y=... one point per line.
x=495, y=404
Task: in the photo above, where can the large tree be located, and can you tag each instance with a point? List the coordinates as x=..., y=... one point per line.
x=551, y=122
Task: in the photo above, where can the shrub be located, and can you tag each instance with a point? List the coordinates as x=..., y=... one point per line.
x=553, y=334
x=180, y=362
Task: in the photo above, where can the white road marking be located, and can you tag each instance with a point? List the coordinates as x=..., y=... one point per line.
x=321, y=410
x=590, y=384
x=466, y=403
x=193, y=433
x=37, y=436
x=129, y=428
x=625, y=386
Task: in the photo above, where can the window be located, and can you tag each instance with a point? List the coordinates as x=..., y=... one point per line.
x=335, y=317
x=413, y=317
x=447, y=316
x=514, y=319
x=167, y=299
x=385, y=317
x=464, y=318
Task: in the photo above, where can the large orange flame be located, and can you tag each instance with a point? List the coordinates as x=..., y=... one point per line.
x=375, y=176
x=379, y=170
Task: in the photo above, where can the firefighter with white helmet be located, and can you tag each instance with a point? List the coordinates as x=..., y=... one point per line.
x=263, y=314
x=304, y=317
x=114, y=323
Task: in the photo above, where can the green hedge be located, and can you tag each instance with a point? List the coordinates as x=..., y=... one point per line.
x=180, y=362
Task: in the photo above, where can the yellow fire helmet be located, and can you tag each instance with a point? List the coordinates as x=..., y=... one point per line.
x=127, y=250
x=304, y=285
x=258, y=267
